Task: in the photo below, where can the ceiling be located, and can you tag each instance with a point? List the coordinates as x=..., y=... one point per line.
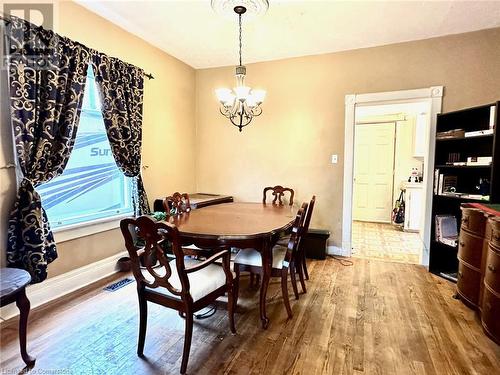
x=192, y=32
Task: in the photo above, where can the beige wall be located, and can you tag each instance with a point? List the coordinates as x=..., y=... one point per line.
x=169, y=127
x=303, y=121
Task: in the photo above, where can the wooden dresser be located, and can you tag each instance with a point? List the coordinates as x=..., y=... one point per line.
x=478, y=283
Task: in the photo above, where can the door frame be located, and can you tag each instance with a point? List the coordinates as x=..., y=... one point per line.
x=434, y=97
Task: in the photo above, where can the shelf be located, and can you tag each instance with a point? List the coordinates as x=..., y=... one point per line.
x=442, y=166
x=461, y=198
x=466, y=138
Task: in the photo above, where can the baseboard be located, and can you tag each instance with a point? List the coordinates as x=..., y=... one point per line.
x=58, y=286
x=335, y=250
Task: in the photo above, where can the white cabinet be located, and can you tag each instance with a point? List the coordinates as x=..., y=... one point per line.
x=413, y=206
x=419, y=131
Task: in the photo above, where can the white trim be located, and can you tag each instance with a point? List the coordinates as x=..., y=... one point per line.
x=73, y=231
x=335, y=250
x=434, y=96
x=58, y=286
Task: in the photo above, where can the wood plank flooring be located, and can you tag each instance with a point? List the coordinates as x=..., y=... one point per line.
x=371, y=318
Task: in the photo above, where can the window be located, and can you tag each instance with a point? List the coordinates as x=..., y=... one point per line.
x=91, y=187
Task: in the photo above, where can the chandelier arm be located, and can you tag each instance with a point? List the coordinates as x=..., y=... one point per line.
x=256, y=111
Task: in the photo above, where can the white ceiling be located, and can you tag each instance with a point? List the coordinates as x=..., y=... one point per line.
x=193, y=33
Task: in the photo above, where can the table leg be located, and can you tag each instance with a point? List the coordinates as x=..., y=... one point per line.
x=23, y=305
x=267, y=261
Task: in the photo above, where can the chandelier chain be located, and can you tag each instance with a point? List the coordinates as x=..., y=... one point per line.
x=240, y=36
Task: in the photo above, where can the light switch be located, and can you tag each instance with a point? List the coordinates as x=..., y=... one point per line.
x=335, y=159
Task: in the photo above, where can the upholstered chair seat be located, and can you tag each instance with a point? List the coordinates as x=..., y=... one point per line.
x=201, y=282
x=252, y=257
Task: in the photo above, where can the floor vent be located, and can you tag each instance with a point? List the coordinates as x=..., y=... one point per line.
x=118, y=285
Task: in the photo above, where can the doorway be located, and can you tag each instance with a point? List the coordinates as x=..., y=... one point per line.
x=386, y=154
x=389, y=136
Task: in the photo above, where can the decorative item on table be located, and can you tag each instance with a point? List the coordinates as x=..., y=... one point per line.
x=479, y=160
x=415, y=176
x=159, y=216
x=450, y=134
x=483, y=187
x=446, y=230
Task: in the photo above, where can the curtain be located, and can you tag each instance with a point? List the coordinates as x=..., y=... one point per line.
x=121, y=88
x=47, y=75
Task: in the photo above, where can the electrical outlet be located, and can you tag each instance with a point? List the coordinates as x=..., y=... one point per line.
x=335, y=159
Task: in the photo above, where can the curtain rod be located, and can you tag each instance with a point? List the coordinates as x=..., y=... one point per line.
x=7, y=21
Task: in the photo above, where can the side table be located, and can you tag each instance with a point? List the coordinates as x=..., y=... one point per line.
x=13, y=283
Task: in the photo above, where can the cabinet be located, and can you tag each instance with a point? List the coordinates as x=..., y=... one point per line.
x=419, y=131
x=478, y=283
x=413, y=206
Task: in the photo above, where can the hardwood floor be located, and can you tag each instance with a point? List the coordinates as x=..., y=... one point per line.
x=372, y=318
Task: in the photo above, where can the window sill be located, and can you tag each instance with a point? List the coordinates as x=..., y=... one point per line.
x=71, y=232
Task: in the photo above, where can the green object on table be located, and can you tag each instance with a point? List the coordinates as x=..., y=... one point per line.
x=159, y=216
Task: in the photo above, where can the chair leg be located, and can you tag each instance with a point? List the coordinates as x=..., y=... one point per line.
x=300, y=270
x=284, y=291
x=294, y=280
x=236, y=285
x=231, y=297
x=304, y=264
x=143, y=321
x=187, y=341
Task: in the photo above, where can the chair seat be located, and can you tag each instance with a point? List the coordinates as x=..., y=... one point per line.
x=251, y=257
x=201, y=282
x=283, y=241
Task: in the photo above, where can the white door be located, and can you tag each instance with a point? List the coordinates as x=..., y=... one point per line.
x=373, y=171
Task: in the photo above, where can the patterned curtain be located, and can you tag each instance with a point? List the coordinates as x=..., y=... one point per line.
x=121, y=87
x=47, y=76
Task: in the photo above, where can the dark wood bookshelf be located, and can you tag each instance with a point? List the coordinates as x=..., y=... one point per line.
x=443, y=258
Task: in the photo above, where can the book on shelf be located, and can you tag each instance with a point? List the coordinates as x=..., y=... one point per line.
x=493, y=109
x=478, y=133
x=444, y=183
x=479, y=160
x=446, y=230
x=454, y=133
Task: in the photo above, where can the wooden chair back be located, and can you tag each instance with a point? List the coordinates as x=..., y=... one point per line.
x=309, y=214
x=177, y=204
x=154, y=234
x=278, y=192
x=296, y=235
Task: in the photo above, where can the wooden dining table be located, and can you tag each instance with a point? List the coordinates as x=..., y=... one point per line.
x=239, y=225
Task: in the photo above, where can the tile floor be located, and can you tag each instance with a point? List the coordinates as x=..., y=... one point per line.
x=385, y=242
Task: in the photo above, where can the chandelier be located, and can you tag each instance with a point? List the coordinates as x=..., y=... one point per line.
x=241, y=104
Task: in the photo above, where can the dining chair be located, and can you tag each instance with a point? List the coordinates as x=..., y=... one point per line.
x=185, y=285
x=177, y=203
x=278, y=192
x=301, y=253
x=302, y=250
x=284, y=259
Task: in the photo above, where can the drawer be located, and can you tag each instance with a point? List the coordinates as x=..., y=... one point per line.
x=490, y=313
x=492, y=270
x=495, y=232
x=468, y=283
x=473, y=220
x=470, y=248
